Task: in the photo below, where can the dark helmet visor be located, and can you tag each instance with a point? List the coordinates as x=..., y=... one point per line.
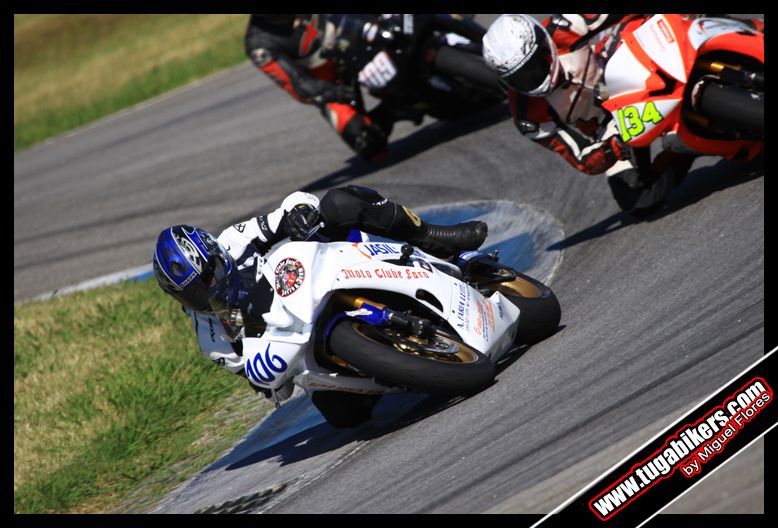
x=223, y=297
x=195, y=295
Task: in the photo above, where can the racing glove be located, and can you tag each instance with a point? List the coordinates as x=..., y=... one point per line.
x=301, y=222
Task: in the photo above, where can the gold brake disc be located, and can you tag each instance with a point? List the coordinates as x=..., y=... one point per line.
x=424, y=348
x=520, y=286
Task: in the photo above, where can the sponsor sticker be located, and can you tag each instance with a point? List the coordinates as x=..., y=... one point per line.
x=379, y=248
x=290, y=275
x=481, y=321
x=463, y=306
x=211, y=329
x=189, y=279
x=356, y=274
x=489, y=315
x=665, y=31
x=385, y=273
x=467, y=255
x=424, y=264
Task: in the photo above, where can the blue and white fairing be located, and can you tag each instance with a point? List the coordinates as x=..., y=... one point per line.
x=305, y=274
x=486, y=324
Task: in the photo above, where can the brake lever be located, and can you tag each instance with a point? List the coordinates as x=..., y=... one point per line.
x=314, y=230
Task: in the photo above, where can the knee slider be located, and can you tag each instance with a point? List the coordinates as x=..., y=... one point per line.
x=355, y=205
x=340, y=207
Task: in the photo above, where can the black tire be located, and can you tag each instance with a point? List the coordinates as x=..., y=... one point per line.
x=344, y=409
x=469, y=66
x=733, y=107
x=540, y=310
x=378, y=351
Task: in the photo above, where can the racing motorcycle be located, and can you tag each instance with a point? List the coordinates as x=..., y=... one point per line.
x=696, y=84
x=351, y=321
x=416, y=64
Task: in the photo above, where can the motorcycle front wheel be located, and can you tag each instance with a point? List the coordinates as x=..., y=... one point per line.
x=438, y=365
x=540, y=310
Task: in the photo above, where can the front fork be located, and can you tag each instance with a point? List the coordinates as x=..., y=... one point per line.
x=376, y=314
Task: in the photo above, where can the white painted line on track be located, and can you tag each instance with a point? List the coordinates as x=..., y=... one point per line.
x=138, y=273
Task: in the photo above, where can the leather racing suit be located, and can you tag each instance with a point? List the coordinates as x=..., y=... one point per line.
x=291, y=55
x=571, y=122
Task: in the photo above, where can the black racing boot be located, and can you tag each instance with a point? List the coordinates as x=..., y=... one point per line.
x=365, y=209
x=449, y=241
x=626, y=187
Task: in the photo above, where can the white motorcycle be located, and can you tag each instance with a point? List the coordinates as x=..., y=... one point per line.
x=351, y=321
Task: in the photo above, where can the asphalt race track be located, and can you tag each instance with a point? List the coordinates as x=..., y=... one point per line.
x=656, y=315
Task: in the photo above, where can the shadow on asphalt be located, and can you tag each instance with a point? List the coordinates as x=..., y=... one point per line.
x=422, y=139
x=517, y=353
x=297, y=432
x=698, y=184
x=311, y=436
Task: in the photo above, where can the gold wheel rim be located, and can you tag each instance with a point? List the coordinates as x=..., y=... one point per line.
x=520, y=286
x=416, y=346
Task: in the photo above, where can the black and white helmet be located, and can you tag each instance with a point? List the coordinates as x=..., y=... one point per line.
x=519, y=49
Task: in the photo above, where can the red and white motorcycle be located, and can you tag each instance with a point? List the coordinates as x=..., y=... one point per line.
x=351, y=321
x=695, y=83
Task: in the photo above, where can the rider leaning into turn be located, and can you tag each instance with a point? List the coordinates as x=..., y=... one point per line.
x=204, y=273
x=554, y=75
x=288, y=48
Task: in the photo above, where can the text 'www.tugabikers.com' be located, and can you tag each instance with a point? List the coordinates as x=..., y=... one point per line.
x=691, y=447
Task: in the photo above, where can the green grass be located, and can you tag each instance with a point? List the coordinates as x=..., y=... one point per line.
x=72, y=69
x=113, y=402
x=112, y=398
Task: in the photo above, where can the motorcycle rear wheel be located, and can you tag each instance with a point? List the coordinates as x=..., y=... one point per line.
x=733, y=107
x=438, y=365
